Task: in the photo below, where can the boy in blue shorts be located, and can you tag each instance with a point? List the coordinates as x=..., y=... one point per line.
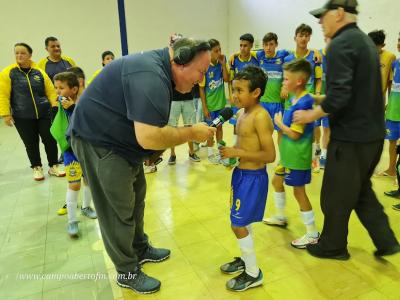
x=212, y=93
x=302, y=38
x=249, y=186
x=271, y=61
x=67, y=87
x=393, y=115
x=296, y=150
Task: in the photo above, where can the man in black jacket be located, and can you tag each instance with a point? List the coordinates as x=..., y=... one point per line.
x=356, y=114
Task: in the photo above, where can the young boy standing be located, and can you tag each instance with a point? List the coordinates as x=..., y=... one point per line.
x=302, y=38
x=296, y=150
x=212, y=93
x=271, y=61
x=255, y=148
x=393, y=115
x=67, y=87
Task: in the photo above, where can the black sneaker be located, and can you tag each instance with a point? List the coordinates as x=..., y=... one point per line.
x=138, y=282
x=244, y=281
x=393, y=194
x=172, y=160
x=396, y=207
x=194, y=157
x=154, y=255
x=233, y=267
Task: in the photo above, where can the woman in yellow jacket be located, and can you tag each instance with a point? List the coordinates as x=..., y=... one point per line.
x=26, y=96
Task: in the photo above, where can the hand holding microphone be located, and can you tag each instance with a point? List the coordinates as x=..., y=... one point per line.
x=200, y=132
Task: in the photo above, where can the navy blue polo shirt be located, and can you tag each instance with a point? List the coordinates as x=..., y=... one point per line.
x=136, y=87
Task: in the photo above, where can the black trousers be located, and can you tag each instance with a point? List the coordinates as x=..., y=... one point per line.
x=29, y=130
x=346, y=187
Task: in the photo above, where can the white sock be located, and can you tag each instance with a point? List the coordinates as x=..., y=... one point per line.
x=250, y=230
x=309, y=220
x=87, y=197
x=324, y=152
x=72, y=200
x=280, y=203
x=210, y=151
x=249, y=256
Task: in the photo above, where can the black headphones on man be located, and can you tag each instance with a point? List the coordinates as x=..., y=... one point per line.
x=185, y=54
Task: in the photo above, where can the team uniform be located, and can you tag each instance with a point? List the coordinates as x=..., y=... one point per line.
x=296, y=155
x=393, y=108
x=386, y=59
x=248, y=196
x=324, y=121
x=272, y=66
x=73, y=168
x=236, y=64
x=315, y=74
x=213, y=83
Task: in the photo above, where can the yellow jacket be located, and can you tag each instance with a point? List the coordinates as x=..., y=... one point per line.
x=26, y=95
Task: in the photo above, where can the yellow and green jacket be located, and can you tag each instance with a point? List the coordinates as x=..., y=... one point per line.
x=26, y=95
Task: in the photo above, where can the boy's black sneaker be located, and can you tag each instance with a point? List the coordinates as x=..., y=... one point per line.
x=244, y=281
x=233, y=267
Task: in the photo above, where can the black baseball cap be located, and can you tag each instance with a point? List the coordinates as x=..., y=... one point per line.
x=349, y=6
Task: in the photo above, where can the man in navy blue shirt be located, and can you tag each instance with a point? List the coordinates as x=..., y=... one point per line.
x=119, y=121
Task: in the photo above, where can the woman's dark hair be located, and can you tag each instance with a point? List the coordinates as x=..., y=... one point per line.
x=105, y=53
x=29, y=48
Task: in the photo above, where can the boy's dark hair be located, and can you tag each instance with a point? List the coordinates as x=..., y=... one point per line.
x=213, y=43
x=29, y=48
x=69, y=78
x=299, y=65
x=270, y=36
x=378, y=37
x=256, y=77
x=303, y=28
x=247, y=37
x=105, y=53
x=50, y=39
x=77, y=71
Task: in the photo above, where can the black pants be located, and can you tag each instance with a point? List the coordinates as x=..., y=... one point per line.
x=346, y=187
x=29, y=130
x=118, y=191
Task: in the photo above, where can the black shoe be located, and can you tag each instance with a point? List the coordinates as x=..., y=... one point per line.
x=244, y=281
x=315, y=250
x=138, y=282
x=233, y=267
x=396, y=207
x=389, y=251
x=393, y=194
x=154, y=255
